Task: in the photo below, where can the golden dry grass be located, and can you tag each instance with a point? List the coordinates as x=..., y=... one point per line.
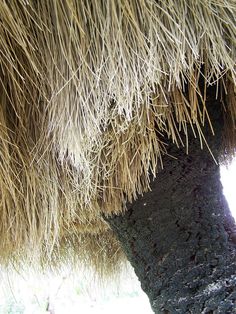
x=87, y=91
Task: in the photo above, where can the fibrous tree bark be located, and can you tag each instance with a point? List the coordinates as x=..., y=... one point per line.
x=180, y=236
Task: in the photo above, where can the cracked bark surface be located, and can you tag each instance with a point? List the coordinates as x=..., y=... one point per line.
x=180, y=236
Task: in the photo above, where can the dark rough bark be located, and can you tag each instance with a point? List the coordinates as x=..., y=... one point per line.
x=180, y=237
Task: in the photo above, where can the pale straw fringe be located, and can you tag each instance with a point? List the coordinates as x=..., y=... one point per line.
x=88, y=90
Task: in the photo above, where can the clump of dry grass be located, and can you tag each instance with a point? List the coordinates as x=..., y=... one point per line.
x=88, y=90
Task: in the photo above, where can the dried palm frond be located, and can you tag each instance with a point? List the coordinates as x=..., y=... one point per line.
x=88, y=91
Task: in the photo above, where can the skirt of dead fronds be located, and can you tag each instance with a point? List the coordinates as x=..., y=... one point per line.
x=88, y=91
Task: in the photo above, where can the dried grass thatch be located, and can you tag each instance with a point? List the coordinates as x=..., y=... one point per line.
x=87, y=91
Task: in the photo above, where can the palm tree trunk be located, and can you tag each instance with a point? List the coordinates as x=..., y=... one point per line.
x=180, y=236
